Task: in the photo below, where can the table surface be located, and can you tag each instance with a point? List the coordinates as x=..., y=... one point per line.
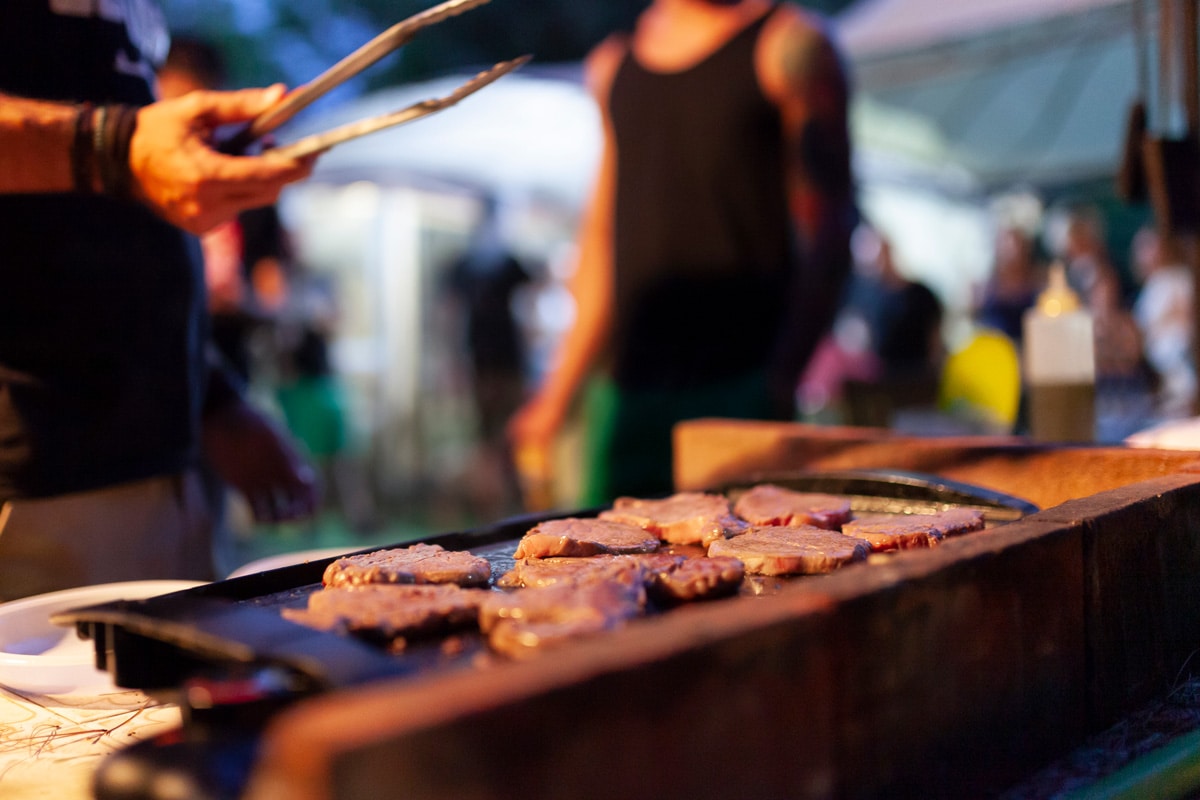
x=50, y=746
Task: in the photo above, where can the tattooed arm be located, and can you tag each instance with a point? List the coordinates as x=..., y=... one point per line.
x=802, y=72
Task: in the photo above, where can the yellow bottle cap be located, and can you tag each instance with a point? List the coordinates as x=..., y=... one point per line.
x=1058, y=297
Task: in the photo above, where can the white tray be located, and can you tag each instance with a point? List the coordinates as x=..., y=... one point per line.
x=37, y=656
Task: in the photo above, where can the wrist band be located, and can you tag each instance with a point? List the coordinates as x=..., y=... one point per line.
x=81, y=148
x=114, y=128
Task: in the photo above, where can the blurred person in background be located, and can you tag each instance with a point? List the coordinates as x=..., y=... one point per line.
x=1083, y=249
x=312, y=395
x=1012, y=289
x=716, y=240
x=108, y=390
x=1163, y=310
x=903, y=319
x=482, y=283
x=903, y=314
x=1122, y=373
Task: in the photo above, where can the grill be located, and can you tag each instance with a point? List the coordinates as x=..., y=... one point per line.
x=945, y=672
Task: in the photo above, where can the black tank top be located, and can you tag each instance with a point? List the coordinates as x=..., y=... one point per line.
x=703, y=241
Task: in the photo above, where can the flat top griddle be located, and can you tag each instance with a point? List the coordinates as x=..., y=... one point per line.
x=160, y=643
x=225, y=654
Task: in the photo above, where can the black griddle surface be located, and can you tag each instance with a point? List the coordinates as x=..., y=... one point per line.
x=157, y=644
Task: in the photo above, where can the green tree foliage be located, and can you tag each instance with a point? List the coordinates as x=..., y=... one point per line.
x=282, y=40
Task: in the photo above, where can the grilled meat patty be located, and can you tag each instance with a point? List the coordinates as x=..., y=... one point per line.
x=689, y=579
x=915, y=530
x=524, y=622
x=578, y=537
x=767, y=504
x=799, y=550
x=388, y=610
x=538, y=573
x=668, y=578
x=683, y=518
x=420, y=563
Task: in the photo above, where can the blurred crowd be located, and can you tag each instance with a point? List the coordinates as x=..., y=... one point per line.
x=896, y=348
x=898, y=353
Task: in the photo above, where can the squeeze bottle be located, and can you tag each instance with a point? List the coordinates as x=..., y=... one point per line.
x=1060, y=364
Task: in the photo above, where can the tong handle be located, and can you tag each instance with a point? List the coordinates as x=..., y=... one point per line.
x=240, y=142
x=300, y=98
x=320, y=142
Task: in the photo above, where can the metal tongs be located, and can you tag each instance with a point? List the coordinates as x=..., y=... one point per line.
x=387, y=42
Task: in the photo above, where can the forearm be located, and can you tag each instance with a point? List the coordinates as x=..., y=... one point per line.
x=583, y=343
x=35, y=145
x=825, y=224
x=592, y=290
x=160, y=154
x=575, y=358
x=820, y=188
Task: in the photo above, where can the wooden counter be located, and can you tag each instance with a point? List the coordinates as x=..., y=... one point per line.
x=949, y=672
x=714, y=452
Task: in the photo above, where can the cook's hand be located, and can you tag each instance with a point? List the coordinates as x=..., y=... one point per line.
x=531, y=433
x=179, y=174
x=534, y=426
x=257, y=459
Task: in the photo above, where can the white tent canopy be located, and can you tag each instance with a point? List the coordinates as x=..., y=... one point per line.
x=1012, y=91
x=874, y=28
x=524, y=133
x=1002, y=91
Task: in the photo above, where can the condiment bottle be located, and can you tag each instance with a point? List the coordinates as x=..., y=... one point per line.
x=1060, y=364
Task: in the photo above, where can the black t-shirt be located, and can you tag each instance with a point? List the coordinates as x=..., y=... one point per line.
x=102, y=323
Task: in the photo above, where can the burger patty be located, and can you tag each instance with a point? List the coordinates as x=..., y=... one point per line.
x=915, y=530
x=668, y=578
x=420, y=563
x=886, y=535
x=526, y=621
x=684, y=518
x=767, y=504
x=390, y=610
x=690, y=579
x=538, y=573
x=578, y=537
x=957, y=521
x=799, y=550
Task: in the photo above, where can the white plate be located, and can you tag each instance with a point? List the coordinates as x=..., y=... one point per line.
x=37, y=656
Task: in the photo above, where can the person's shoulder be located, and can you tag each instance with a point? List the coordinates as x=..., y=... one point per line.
x=792, y=23
x=798, y=48
x=601, y=63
